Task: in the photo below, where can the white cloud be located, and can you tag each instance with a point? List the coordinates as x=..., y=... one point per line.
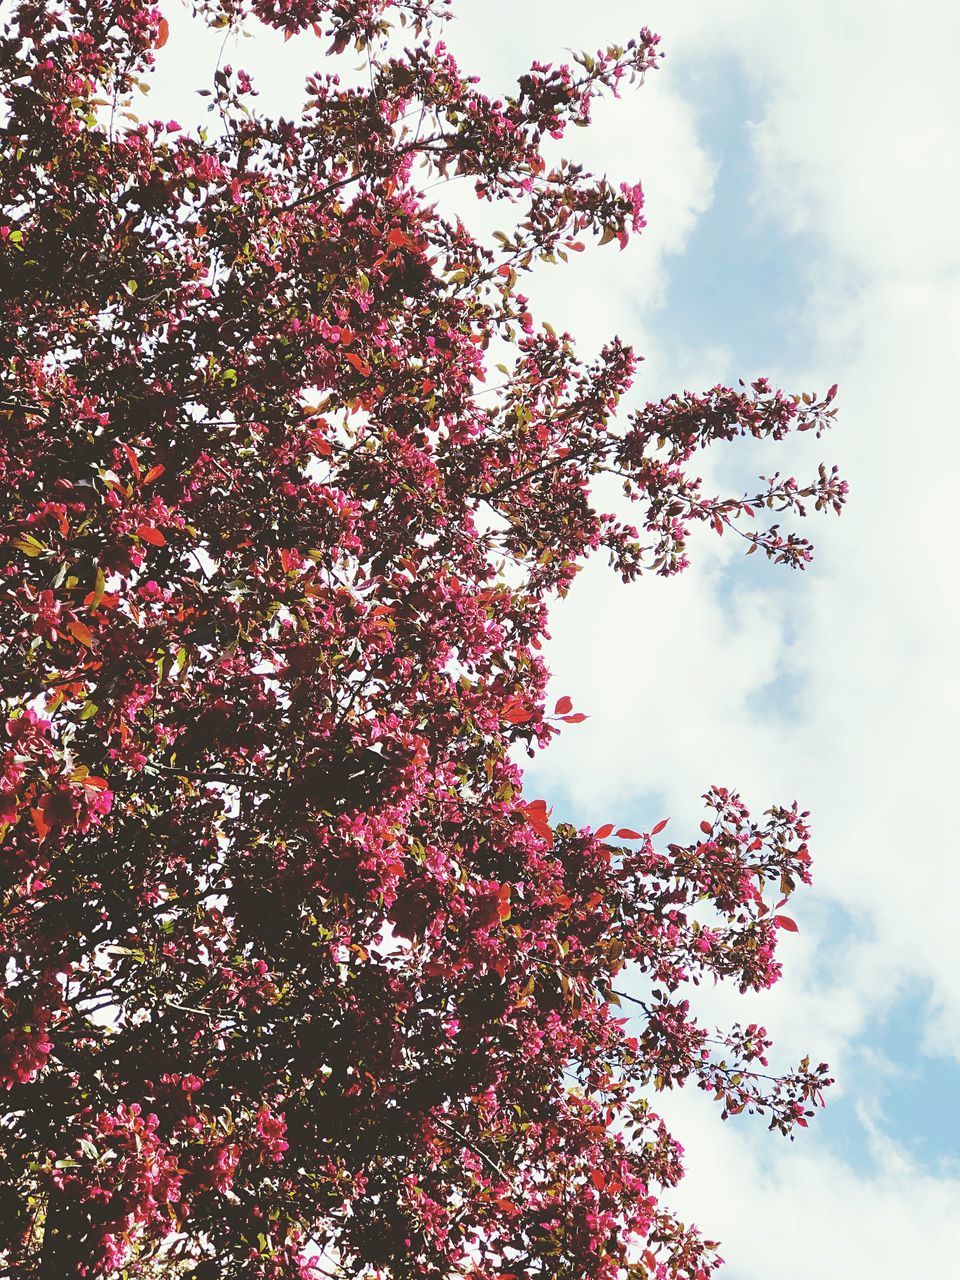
x=854, y=147
x=675, y=677
x=796, y=1210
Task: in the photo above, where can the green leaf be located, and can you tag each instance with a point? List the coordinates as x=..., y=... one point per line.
x=99, y=587
x=29, y=545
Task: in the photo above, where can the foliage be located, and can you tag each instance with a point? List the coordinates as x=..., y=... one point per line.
x=297, y=981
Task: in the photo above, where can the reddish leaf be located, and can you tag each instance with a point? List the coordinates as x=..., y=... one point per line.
x=564, y=705
x=151, y=535
x=627, y=833
x=705, y=827
x=163, y=33
x=109, y=600
x=659, y=827
x=80, y=631
x=132, y=459
x=786, y=923
x=577, y=718
x=358, y=363
x=606, y=830
x=40, y=822
x=154, y=473
x=537, y=815
x=514, y=712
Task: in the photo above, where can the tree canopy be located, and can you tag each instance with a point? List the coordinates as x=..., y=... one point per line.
x=298, y=980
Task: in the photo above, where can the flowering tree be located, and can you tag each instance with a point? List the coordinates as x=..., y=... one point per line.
x=297, y=981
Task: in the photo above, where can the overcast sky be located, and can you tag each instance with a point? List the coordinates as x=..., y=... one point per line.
x=802, y=175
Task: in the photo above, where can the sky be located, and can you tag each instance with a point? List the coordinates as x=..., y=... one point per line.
x=802, y=177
